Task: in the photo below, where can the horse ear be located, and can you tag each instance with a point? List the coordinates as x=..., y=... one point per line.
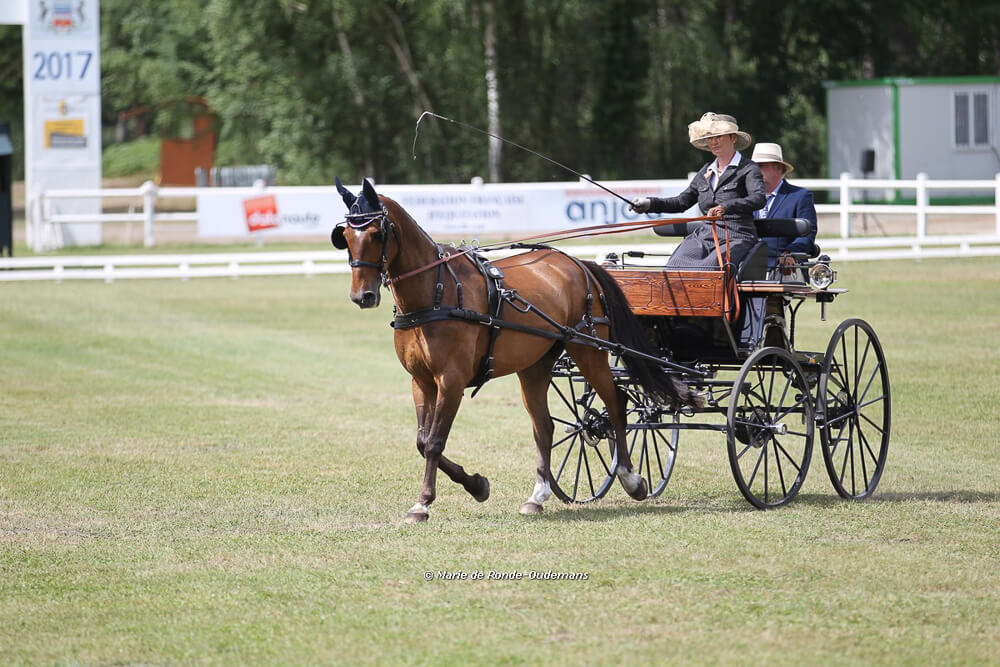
x=368, y=190
x=348, y=198
x=337, y=238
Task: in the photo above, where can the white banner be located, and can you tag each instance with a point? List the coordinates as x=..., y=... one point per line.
x=62, y=109
x=271, y=212
x=446, y=211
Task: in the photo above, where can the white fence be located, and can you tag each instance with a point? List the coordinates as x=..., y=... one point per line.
x=44, y=221
x=43, y=225
x=110, y=268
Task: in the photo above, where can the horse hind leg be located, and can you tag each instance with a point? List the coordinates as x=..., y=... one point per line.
x=534, y=393
x=594, y=366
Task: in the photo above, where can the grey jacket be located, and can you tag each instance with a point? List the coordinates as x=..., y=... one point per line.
x=740, y=190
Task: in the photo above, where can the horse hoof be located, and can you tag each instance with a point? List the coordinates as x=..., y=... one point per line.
x=415, y=517
x=484, y=488
x=641, y=492
x=530, y=508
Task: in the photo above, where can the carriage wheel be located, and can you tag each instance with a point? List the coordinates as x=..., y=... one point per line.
x=651, y=433
x=770, y=428
x=583, y=444
x=853, y=408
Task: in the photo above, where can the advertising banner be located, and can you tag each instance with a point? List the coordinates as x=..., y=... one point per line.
x=444, y=211
x=62, y=108
x=272, y=213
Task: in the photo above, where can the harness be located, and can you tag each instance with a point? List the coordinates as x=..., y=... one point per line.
x=361, y=221
x=497, y=297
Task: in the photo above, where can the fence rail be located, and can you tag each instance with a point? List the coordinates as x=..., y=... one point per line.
x=110, y=268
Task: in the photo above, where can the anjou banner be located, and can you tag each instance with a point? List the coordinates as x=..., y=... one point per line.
x=448, y=211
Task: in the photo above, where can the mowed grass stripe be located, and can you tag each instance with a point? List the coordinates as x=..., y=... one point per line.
x=215, y=471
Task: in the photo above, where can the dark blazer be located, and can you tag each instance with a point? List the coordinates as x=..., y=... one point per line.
x=740, y=190
x=791, y=201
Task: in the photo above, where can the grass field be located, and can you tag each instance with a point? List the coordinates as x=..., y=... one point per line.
x=216, y=471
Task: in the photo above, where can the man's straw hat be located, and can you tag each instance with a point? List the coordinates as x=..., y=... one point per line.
x=764, y=152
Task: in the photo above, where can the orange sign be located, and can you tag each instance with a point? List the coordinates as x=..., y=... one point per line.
x=261, y=213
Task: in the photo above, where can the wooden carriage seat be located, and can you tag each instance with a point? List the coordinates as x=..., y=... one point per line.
x=685, y=293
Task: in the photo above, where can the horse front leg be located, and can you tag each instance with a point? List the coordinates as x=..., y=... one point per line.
x=424, y=399
x=434, y=438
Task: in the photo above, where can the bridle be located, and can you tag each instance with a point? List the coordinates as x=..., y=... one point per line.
x=362, y=221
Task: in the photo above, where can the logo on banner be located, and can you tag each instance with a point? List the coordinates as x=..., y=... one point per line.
x=261, y=213
x=61, y=16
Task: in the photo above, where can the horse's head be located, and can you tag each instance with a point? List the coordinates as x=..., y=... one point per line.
x=365, y=235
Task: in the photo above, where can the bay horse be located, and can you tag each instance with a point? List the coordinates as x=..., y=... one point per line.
x=444, y=354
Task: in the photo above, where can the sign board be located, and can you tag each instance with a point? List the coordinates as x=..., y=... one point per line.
x=62, y=108
x=445, y=211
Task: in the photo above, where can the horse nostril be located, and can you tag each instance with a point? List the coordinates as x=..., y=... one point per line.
x=368, y=299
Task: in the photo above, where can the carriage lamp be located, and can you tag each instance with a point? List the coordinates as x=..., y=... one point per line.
x=821, y=275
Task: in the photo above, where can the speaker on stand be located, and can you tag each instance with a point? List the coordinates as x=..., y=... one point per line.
x=867, y=168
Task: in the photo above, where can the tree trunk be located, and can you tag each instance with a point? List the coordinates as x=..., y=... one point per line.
x=492, y=89
x=421, y=101
x=359, y=95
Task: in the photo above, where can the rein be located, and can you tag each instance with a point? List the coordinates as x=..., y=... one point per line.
x=555, y=236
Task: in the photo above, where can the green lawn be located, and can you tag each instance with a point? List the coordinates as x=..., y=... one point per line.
x=216, y=471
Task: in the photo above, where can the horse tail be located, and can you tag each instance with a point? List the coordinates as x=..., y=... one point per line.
x=627, y=330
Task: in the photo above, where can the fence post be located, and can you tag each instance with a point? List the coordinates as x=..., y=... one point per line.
x=922, y=200
x=148, y=192
x=845, y=201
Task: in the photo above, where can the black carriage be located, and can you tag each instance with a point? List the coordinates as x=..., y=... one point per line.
x=767, y=397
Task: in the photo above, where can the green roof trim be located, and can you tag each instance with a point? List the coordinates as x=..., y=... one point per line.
x=911, y=81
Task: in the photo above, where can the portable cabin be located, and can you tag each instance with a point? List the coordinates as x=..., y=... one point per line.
x=945, y=127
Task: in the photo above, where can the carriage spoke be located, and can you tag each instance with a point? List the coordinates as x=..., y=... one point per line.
x=777, y=463
x=569, y=450
x=862, y=445
x=607, y=468
x=868, y=447
x=874, y=425
x=590, y=478
x=787, y=455
x=756, y=468
x=579, y=464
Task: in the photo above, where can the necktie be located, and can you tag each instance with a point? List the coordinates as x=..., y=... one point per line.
x=762, y=213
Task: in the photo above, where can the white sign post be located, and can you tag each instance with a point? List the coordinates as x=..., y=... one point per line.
x=62, y=109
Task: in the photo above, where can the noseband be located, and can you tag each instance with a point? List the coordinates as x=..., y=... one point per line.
x=361, y=221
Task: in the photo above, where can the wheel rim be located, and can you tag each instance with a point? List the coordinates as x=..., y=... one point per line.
x=583, y=455
x=854, y=409
x=770, y=428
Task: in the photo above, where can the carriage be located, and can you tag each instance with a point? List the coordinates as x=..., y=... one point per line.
x=767, y=397
x=699, y=350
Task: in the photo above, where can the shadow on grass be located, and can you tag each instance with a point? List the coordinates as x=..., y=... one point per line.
x=955, y=496
x=592, y=513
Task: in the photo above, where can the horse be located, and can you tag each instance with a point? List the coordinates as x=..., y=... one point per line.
x=552, y=297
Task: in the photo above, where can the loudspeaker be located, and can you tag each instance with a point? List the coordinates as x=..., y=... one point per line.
x=867, y=160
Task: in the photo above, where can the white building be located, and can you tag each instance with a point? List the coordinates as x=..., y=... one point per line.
x=945, y=127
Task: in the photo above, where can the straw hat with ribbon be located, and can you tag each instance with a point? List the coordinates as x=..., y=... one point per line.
x=764, y=152
x=716, y=125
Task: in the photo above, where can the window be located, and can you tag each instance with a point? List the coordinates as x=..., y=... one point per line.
x=972, y=124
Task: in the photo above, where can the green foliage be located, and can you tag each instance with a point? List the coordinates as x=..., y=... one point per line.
x=329, y=87
x=139, y=157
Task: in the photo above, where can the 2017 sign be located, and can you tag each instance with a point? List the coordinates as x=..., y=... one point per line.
x=58, y=66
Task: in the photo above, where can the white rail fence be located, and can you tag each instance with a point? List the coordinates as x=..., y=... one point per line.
x=43, y=226
x=110, y=268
